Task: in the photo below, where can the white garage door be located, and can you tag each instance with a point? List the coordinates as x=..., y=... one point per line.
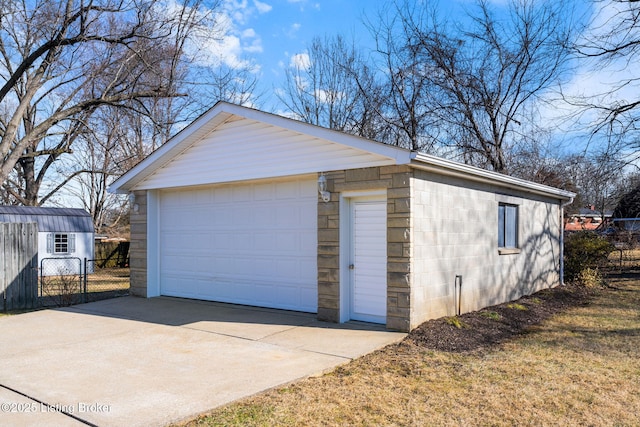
x=249, y=244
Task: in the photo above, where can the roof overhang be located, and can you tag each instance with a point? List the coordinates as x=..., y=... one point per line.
x=450, y=168
x=224, y=112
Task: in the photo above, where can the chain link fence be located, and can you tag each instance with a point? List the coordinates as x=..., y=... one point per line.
x=104, y=281
x=625, y=258
x=61, y=282
x=68, y=281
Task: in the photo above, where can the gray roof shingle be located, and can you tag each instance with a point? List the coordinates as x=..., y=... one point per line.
x=49, y=219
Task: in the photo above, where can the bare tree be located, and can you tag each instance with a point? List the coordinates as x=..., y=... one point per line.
x=483, y=77
x=467, y=89
x=403, y=103
x=612, y=42
x=321, y=88
x=62, y=61
x=237, y=85
x=600, y=180
x=116, y=139
x=95, y=165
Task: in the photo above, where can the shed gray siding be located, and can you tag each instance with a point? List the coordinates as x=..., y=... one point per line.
x=49, y=219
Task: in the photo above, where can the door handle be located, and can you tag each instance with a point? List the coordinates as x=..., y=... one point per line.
x=351, y=267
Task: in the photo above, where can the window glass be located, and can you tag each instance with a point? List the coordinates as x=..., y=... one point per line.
x=61, y=243
x=507, y=226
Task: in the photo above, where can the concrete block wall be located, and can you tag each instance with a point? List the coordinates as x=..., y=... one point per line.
x=396, y=181
x=455, y=232
x=138, y=248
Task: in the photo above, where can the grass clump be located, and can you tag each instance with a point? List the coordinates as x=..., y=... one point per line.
x=491, y=315
x=456, y=321
x=517, y=306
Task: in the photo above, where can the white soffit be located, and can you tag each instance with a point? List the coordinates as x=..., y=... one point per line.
x=233, y=143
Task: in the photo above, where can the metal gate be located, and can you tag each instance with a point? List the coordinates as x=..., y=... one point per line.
x=67, y=281
x=61, y=281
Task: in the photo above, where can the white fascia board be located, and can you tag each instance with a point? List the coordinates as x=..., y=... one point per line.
x=448, y=167
x=221, y=112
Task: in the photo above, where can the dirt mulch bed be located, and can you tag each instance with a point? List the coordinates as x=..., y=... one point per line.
x=496, y=324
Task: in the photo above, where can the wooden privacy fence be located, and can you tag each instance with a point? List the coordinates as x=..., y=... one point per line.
x=18, y=266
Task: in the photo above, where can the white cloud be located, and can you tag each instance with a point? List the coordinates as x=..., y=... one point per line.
x=302, y=4
x=249, y=33
x=300, y=61
x=253, y=46
x=327, y=96
x=292, y=30
x=593, y=82
x=262, y=7
x=229, y=39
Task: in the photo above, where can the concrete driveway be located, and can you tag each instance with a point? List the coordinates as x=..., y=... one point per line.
x=149, y=362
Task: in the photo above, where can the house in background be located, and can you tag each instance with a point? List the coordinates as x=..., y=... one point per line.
x=248, y=207
x=63, y=233
x=588, y=218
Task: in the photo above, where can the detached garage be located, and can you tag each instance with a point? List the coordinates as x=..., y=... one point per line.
x=247, y=207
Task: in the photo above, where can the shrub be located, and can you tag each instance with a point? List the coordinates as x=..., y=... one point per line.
x=591, y=278
x=584, y=250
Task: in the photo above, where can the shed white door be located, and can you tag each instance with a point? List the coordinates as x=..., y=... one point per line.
x=369, y=260
x=251, y=244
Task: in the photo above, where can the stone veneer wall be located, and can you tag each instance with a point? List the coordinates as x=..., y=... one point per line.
x=396, y=180
x=138, y=248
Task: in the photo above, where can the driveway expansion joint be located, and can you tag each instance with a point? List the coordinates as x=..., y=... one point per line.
x=49, y=406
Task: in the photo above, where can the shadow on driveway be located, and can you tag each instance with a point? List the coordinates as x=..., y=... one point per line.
x=148, y=362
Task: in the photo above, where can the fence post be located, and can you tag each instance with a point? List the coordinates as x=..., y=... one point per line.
x=84, y=293
x=41, y=296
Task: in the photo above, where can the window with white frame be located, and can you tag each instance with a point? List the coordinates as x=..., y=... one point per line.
x=61, y=243
x=507, y=226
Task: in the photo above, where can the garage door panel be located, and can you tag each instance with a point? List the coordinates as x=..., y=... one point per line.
x=248, y=244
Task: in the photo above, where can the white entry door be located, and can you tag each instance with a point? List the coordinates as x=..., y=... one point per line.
x=368, y=260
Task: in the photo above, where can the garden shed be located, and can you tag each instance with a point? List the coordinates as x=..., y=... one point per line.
x=62, y=233
x=248, y=207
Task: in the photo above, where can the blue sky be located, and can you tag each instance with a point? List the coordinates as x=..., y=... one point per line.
x=270, y=33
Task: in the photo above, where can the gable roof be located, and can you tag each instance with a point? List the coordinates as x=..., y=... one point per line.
x=234, y=143
x=63, y=220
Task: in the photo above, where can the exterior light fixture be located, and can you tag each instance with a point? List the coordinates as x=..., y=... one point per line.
x=132, y=202
x=322, y=188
